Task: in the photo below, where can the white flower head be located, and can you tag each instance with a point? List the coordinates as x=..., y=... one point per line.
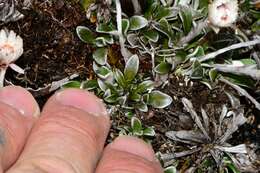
x=11, y=47
x=223, y=13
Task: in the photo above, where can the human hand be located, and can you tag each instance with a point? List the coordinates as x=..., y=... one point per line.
x=68, y=137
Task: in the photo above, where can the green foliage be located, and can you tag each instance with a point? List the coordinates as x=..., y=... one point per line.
x=170, y=169
x=85, y=34
x=137, y=129
x=126, y=89
x=85, y=3
x=137, y=22
x=100, y=56
x=228, y=166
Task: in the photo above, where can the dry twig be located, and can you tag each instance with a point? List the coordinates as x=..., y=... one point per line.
x=226, y=49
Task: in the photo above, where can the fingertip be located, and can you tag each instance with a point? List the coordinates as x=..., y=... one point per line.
x=83, y=100
x=20, y=99
x=134, y=146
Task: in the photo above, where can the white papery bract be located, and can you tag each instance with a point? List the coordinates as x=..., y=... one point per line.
x=223, y=13
x=11, y=47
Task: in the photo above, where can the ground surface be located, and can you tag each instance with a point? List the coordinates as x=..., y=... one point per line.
x=52, y=52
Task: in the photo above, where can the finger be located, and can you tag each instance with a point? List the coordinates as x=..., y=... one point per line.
x=18, y=112
x=69, y=137
x=128, y=155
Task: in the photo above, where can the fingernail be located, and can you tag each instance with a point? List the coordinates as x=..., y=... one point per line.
x=83, y=100
x=134, y=146
x=20, y=99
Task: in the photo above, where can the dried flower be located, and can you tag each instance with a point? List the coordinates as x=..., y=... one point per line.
x=9, y=12
x=11, y=48
x=212, y=134
x=223, y=13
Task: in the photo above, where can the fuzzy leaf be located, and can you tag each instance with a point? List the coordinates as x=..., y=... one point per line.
x=125, y=26
x=133, y=40
x=137, y=22
x=106, y=28
x=163, y=12
x=142, y=107
x=186, y=17
x=145, y=86
x=131, y=68
x=100, y=56
x=163, y=68
x=101, y=85
x=152, y=35
x=108, y=39
x=149, y=131
x=197, y=70
x=119, y=77
x=72, y=84
x=111, y=99
x=100, y=42
x=85, y=34
x=164, y=27
x=170, y=169
x=248, y=61
x=199, y=51
x=213, y=74
x=135, y=97
x=157, y=99
x=103, y=72
x=89, y=84
x=137, y=127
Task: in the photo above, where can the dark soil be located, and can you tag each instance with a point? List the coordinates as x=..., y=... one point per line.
x=52, y=52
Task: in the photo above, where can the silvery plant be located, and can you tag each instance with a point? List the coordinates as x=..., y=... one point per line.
x=172, y=33
x=210, y=135
x=126, y=88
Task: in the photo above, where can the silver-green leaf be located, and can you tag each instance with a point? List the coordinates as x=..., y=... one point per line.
x=157, y=99
x=170, y=169
x=137, y=22
x=125, y=25
x=163, y=68
x=136, y=125
x=131, y=68
x=100, y=56
x=85, y=34
x=119, y=77
x=149, y=131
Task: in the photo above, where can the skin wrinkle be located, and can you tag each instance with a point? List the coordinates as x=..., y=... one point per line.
x=38, y=156
x=68, y=111
x=59, y=119
x=69, y=124
x=72, y=138
x=123, y=159
x=86, y=135
x=45, y=167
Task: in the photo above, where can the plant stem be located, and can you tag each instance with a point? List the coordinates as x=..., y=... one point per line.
x=242, y=91
x=194, y=33
x=124, y=51
x=137, y=7
x=226, y=49
x=2, y=76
